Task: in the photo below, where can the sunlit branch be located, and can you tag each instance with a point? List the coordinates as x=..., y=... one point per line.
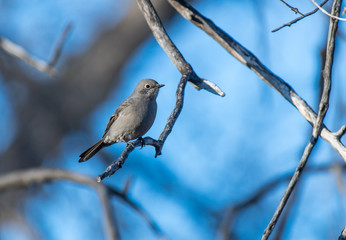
x=158, y=144
x=188, y=74
x=250, y=60
x=318, y=124
x=327, y=13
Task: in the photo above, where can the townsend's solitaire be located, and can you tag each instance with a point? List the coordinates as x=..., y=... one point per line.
x=132, y=119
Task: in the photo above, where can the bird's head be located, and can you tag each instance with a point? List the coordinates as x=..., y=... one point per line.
x=148, y=87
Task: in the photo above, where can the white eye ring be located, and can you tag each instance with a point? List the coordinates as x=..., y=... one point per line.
x=147, y=86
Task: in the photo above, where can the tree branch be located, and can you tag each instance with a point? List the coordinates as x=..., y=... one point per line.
x=58, y=48
x=300, y=18
x=262, y=192
x=251, y=61
x=171, y=50
x=188, y=74
x=26, y=178
x=327, y=13
x=323, y=107
x=19, y=52
x=295, y=10
x=158, y=144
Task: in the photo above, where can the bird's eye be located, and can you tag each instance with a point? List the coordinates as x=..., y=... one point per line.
x=147, y=86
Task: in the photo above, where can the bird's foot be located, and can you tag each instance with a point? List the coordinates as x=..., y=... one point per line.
x=129, y=144
x=142, y=141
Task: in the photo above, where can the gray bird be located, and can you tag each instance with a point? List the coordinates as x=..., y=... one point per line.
x=132, y=119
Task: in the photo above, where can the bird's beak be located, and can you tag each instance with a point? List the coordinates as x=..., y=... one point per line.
x=161, y=85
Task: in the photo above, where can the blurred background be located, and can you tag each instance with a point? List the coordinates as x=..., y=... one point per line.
x=226, y=163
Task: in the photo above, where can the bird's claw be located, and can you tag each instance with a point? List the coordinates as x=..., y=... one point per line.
x=142, y=141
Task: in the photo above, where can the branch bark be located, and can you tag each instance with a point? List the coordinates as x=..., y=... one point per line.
x=188, y=74
x=171, y=50
x=300, y=18
x=26, y=178
x=251, y=61
x=29, y=177
x=323, y=108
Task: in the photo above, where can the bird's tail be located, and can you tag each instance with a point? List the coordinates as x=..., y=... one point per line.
x=91, y=151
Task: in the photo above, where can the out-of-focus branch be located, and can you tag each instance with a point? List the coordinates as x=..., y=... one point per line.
x=48, y=110
x=26, y=178
x=19, y=52
x=60, y=43
x=250, y=60
x=300, y=18
x=188, y=74
x=29, y=177
x=317, y=127
x=258, y=195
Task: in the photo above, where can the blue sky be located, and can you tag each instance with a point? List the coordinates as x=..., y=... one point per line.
x=221, y=149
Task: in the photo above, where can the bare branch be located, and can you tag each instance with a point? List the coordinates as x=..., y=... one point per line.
x=327, y=13
x=317, y=127
x=19, y=52
x=188, y=74
x=341, y=132
x=295, y=10
x=250, y=60
x=59, y=45
x=300, y=18
x=158, y=144
x=171, y=50
x=26, y=178
x=263, y=191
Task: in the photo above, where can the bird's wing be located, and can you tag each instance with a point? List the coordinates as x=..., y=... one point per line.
x=117, y=113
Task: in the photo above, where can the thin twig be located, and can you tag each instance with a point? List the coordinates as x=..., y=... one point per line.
x=250, y=60
x=262, y=192
x=300, y=18
x=29, y=177
x=188, y=74
x=158, y=144
x=58, y=48
x=327, y=13
x=154, y=226
x=317, y=127
x=26, y=178
x=286, y=214
x=295, y=10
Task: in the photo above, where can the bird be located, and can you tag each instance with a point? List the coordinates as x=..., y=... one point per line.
x=131, y=120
